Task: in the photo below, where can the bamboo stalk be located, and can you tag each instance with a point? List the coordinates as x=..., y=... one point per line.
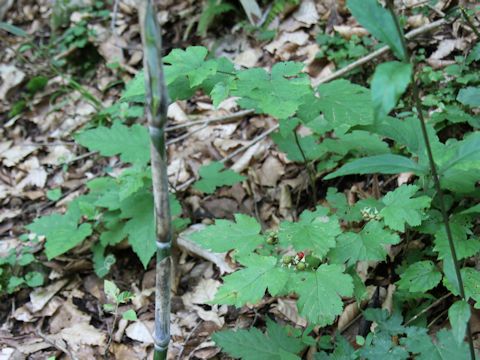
x=157, y=105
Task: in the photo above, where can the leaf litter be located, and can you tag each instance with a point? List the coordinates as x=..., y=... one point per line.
x=37, y=154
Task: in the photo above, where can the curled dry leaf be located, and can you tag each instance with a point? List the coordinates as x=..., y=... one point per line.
x=307, y=13
x=41, y=296
x=288, y=308
x=189, y=246
x=142, y=331
x=11, y=78
x=347, y=32
x=348, y=315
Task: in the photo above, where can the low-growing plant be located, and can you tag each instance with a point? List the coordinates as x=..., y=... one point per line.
x=355, y=130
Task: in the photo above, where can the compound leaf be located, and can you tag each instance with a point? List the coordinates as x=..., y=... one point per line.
x=401, y=208
x=242, y=235
x=420, y=277
x=248, y=285
x=212, y=177
x=320, y=293
x=368, y=244
x=264, y=92
x=190, y=63
x=314, y=231
x=130, y=142
x=140, y=227
x=276, y=344
x=62, y=232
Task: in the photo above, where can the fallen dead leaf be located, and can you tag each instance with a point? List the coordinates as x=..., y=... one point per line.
x=141, y=331
x=41, y=296
x=82, y=334
x=11, y=77
x=12, y=156
x=307, y=13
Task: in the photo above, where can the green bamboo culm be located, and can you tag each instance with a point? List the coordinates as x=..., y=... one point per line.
x=433, y=169
x=157, y=102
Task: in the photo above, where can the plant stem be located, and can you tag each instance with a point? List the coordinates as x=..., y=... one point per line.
x=469, y=21
x=311, y=175
x=433, y=169
x=157, y=104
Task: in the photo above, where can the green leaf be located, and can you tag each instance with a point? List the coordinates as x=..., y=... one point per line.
x=15, y=30
x=400, y=208
x=277, y=344
x=140, y=227
x=36, y=83
x=101, y=263
x=111, y=290
x=130, y=315
x=190, y=63
x=314, y=231
x=345, y=105
x=242, y=235
x=368, y=244
x=61, y=231
x=135, y=89
x=446, y=347
x=379, y=22
x=389, y=82
x=264, y=92
x=54, y=194
x=383, y=164
x=465, y=155
x=320, y=293
x=473, y=210
x=459, y=315
x=34, y=279
x=210, y=10
x=248, y=285
x=465, y=247
x=131, y=143
x=474, y=54
x=471, y=281
x=13, y=283
x=420, y=277
x=213, y=175
x=469, y=96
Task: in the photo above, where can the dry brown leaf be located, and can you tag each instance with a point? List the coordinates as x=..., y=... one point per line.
x=12, y=156
x=271, y=171
x=347, y=31
x=41, y=296
x=11, y=78
x=191, y=247
x=288, y=308
x=298, y=38
x=349, y=313
x=82, y=334
x=248, y=58
x=202, y=293
x=142, y=331
x=307, y=13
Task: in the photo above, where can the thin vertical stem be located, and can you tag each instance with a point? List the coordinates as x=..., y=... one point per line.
x=433, y=169
x=469, y=21
x=311, y=173
x=157, y=105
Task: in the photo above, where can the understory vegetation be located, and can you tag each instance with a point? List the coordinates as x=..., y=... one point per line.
x=339, y=253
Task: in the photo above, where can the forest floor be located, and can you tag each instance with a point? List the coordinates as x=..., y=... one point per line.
x=42, y=168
